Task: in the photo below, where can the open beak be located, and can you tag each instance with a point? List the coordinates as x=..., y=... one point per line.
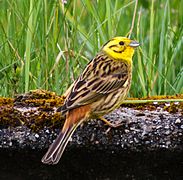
x=134, y=44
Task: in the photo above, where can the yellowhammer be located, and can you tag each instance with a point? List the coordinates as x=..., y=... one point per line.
x=100, y=89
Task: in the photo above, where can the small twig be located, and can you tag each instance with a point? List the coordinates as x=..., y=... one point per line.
x=150, y=101
x=133, y=20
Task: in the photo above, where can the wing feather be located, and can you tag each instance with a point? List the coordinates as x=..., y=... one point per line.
x=95, y=83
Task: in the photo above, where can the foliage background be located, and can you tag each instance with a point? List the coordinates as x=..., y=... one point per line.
x=46, y=44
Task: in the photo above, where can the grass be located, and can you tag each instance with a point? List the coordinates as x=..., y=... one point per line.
x=46, y=44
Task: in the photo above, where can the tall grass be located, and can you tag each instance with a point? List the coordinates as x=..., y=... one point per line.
x=46, y=44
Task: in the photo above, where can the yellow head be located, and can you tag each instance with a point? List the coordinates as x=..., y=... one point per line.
x=120, y=48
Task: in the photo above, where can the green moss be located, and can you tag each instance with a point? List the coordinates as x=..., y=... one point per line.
x=9, y=116
x=35, y=109
x=39, y=98
x=174, y=107
x=4, y=101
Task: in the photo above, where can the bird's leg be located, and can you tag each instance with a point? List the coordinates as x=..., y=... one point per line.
x=114, y=125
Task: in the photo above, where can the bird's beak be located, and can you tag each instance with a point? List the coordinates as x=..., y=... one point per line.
x=134, y=44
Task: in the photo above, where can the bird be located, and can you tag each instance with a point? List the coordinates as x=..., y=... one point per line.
x=100, y=88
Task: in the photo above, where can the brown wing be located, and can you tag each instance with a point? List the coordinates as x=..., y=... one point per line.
x=100, y=77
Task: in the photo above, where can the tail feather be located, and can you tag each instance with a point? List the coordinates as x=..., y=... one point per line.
x=56, y=150
x=73, y=119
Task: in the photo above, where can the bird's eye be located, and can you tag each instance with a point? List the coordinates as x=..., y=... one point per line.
x=121, y=43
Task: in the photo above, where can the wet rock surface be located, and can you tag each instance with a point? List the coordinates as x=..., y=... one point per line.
x=140, y=130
